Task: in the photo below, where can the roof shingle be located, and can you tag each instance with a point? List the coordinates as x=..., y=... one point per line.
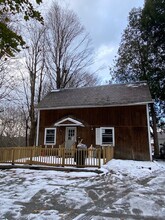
x=105, y=95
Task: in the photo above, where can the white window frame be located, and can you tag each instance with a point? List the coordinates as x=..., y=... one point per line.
x=54, y=142
x=99, y=136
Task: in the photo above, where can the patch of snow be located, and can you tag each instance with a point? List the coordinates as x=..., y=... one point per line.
x=134, y=85
x=44, y=215
x=133, y=188
x=74, y=196
x=139, y=203
x=136, y=169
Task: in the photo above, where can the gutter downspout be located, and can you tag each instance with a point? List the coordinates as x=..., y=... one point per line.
x=156, y=144
x=149, y=136
x=38, y=125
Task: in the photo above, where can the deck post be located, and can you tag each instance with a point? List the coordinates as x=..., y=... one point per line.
x=31, y=156
x=63, y=156
x=12, y=153
x=104, y=155
x=99, y=157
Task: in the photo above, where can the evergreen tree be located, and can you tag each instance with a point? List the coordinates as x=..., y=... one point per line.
x=141, y=54
x=10, y=40
x=153, y=29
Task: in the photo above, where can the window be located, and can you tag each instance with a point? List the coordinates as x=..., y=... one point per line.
x=105, y=136
x=50, y=136
x=71, y=133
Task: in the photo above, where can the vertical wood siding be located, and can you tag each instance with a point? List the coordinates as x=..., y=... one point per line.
x=129, y=122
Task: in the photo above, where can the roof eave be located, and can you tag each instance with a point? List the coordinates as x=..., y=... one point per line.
x=95, y=106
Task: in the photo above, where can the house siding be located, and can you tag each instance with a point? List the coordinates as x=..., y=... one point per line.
x=129, y=122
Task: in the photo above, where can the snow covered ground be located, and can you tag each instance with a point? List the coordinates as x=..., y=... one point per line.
x=125, y=190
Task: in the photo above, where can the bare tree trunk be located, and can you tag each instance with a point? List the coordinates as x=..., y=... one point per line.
x=32, y=133
x=26, y=132
x=35, y=64
x=69, y=49
x=58, y=80
x=155, y=135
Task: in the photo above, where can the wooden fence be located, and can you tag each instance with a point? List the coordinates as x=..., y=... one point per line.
x=56, y=156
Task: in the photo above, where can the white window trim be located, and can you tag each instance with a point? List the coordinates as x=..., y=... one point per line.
x=113, y=136
x=54, y=136
x=97, y=136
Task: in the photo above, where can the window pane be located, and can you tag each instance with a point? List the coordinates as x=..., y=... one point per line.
x=50, y=136
x=107, y=136
x=49, y=139
x=50, y=132
x=107, y=131
x=107, y=140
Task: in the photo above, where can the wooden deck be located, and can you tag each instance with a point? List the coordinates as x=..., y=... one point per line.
x=56, y=156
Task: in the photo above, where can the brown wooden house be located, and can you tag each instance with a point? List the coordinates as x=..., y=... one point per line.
x=105, y=115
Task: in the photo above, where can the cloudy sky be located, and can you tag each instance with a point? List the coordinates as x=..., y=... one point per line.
x=105, y=21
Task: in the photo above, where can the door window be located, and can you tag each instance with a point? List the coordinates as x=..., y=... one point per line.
x=71, y=133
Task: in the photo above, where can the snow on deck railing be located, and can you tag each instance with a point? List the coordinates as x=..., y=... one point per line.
x=94, y=157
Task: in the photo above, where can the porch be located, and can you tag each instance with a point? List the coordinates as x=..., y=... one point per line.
x=57, y=156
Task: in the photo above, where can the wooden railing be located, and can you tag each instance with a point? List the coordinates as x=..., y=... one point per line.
x=94, y=157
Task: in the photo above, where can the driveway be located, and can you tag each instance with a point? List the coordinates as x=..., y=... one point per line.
x=52, y=195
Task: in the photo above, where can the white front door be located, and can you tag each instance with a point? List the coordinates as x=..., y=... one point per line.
x=70, y=136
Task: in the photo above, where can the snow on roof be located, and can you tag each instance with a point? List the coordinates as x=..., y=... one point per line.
x=137, y=84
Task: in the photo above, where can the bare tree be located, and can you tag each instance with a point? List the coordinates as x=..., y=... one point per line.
x=57, y=55
x=35, y=65
x=69, y=49
x=83, y=79
x=12, y=127
x=7, y=81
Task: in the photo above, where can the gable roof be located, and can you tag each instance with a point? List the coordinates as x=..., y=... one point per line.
x=68, y=121
x=98, y=96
